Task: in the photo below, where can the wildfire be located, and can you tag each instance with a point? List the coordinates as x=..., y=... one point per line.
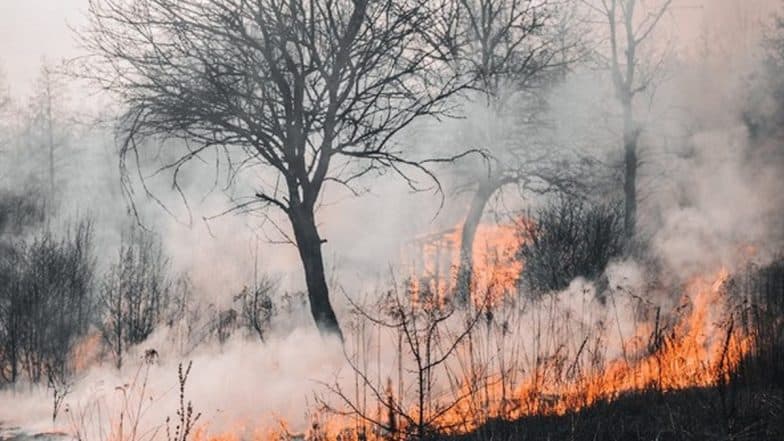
x=696, y=345
x=320, y=428
x=692, y=345
x=576, y=362
x=86, y=352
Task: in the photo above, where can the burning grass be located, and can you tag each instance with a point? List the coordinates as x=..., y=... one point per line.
x=686, y=414
x=698, y=350
x=558, y=365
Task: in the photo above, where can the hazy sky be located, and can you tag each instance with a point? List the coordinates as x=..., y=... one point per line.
x=33, y=29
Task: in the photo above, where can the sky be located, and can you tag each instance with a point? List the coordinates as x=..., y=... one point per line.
x=33, y=30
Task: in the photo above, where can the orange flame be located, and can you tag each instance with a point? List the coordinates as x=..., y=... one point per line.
x=495, y=265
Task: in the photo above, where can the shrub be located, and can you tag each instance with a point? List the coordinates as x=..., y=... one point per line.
x=760, y=294
x=46, y=289
x=569, y=238
x=256, y=307
x=135, y=293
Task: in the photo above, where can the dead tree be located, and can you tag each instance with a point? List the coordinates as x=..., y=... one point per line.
x=48, y=128
x=516, y=49
x=312, y=92
x=256, y=308
x=629, y=28
x=5, y=111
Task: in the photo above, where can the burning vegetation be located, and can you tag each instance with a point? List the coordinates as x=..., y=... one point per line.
x=458, y=371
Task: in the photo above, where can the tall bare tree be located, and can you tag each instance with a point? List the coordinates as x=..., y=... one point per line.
x=516, y=49
x=631, y=23
x=312, y=92
x=48, y=126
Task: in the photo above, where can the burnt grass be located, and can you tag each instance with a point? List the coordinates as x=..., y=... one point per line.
x=717, y=413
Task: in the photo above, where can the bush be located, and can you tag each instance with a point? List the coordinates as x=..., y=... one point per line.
x=256, y=307
x=569, y=238
x=46, y=301
x=135, y=293
x=760, y=294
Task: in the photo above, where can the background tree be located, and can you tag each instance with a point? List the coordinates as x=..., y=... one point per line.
x=516, y=49
x=256, y=308
x=763, y=113
x=8, y=120
x=47, y=128
x=569, y=238
x=629, y=28
x=310, y=92
x=5, y=102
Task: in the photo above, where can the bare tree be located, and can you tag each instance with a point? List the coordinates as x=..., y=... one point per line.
x=569, y=238
x=5, y=98
x=312, y=92
x=632, y=75
x=19, y=213
x=516, y=49
x=763, y=112
x=47, y=126
x=134, y=294
x=256, y=307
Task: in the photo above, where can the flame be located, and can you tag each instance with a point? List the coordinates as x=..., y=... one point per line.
x=86, y=352
x=496, y=267
x=320, y=428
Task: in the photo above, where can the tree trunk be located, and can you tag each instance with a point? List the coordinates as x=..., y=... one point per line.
x=309, y=247
x=50, y=135
x=630, y=137
x=465, y=270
